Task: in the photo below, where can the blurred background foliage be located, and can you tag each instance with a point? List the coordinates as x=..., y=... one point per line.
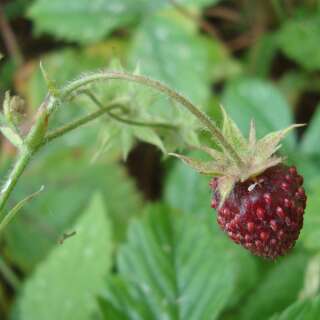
x=145, y=243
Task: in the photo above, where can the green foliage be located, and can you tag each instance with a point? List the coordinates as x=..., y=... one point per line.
x=182, y=181
x=95, y=18
x=306, y=309
x=306, y=28
x=42, y=223
x=175, y=263
x=278, y=289
x=159, y=276
x=312, y=135
x=248, y=98
x=311, y=231
x=65, y=284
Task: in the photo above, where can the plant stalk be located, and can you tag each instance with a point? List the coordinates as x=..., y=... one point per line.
x=107, y=75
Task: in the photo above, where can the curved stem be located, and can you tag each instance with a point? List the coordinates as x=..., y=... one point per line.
x=107, y=75
x=128, y=121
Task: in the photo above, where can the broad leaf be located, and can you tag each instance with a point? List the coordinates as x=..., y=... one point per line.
x=183, y=181
x=298, y=38
x=159, y=276
x=308, y=309
x=278, y=289
x=172, y=51
x=64, y=286
x=84, y=21
x=89, y=21
x=310, y=141
x=311, y=228
x=69, y=181
x=248, y=98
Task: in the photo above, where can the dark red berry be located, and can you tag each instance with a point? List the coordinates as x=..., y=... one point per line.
x=265, y=214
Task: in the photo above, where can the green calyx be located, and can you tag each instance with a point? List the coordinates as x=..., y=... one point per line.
x=255, y=155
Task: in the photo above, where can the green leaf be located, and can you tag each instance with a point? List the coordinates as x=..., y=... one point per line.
x=298, y=38
x=159, y=275
x=90, y=21
x=40, y=224
x=11, y=135
x=261, y=55
x=172, y=51
x=84, y=21
x=308, y=309
x=278, y=289
x=311, y=226
x=310, y=140
x=182, y=181
x=248, y=98
x=148, y=135
x=311, y=279
x=65, y=284
x=64, y=65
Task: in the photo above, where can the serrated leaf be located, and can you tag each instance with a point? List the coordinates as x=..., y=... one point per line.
x=249, y=98
x=278, y=289
x=308, y=309
x=182, y=181
x=66, y=271
x=158, y=272
x=310, y=140
x=40, y=224
x=305, y=51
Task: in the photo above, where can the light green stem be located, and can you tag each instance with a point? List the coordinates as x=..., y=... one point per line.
x=37, y=137
x=30, y=146
x=107, y=75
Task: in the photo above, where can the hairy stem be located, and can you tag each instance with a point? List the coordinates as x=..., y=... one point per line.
x=108, y=75
x=30, y=146
x=128, y=121
x=79, y=122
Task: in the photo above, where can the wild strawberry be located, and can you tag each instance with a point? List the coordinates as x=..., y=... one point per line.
x=260, y=201
x=265, y=213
